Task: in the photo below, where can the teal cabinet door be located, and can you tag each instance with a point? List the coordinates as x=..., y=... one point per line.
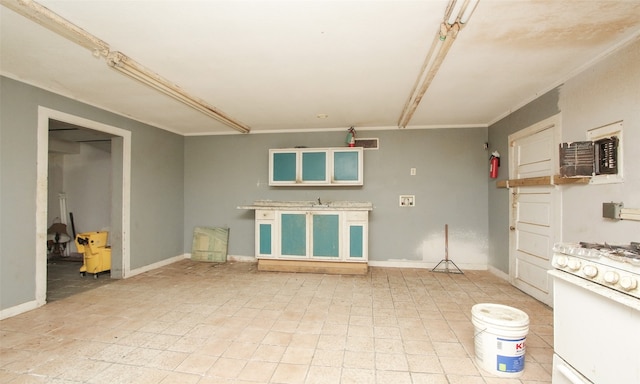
x=326, y=235
x=347, y=166
x=356, y=241
x=314, y=166
x=284, y=167
x=293, y=234
x=265, y=239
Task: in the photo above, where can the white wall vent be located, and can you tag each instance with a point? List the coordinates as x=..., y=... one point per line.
x=368, y=143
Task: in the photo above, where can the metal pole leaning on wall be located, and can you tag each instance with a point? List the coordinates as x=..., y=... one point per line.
x=446, y=262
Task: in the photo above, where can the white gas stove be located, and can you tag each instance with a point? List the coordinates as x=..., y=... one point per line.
x=596, y=310
x=613, y=266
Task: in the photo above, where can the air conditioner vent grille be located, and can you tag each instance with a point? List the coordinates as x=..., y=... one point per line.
x=576, y=159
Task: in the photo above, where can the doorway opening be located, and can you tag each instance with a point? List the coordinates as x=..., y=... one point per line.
x=113, y=166
x=79, y=206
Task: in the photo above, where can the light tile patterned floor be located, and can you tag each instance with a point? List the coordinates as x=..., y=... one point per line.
x=193, y=322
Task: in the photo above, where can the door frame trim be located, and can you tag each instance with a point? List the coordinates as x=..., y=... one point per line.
x=42, y=163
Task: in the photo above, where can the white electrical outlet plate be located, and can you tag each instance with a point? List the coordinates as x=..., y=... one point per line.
x=407, y=200
x=412, y=171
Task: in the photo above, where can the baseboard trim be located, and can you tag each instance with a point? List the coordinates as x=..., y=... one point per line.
x=241, y=259
x=498, y=273
x=423, y=265
x=18, y=309
x=157, y=265
x=233, y=258
x=384, y=264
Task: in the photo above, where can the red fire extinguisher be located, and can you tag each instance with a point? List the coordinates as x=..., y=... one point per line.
x=494, y=160
x=351, y=137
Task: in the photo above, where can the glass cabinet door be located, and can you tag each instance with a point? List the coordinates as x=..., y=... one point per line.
x=326, y=235
x=356, y=241
x=347, y=166
x=284, y=166
x=314, y=166
x=293, y=235
x=264, y=244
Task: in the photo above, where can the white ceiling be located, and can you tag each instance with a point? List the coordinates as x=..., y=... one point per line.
x=276, y=65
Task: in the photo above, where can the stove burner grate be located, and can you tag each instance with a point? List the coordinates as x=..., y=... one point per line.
x=630, y=252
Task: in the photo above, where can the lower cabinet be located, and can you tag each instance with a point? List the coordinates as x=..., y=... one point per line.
x=356, y=230
x=314, y=235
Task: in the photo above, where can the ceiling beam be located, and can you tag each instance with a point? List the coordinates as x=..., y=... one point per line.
x=117, y=60
x=456, y=16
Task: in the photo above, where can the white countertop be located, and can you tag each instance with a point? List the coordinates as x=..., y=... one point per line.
x=309, y=205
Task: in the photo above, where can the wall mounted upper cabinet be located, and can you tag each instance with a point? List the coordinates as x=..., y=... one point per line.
x=316, y=166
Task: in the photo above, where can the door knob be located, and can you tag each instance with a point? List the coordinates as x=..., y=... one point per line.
x=512, y=228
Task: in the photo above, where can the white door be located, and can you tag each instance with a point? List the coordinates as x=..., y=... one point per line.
x=534, y=210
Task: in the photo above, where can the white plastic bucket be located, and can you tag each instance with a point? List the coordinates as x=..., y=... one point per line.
x=500, y=335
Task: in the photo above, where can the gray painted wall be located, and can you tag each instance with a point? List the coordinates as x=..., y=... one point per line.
x=223, y=172
x=604, y=93
x=156, y=187
x=607, y=92
x=18, y=122
x=498, y=203
x=157, y=196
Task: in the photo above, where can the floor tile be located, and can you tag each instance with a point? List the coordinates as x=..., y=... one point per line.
x=194, y=322
x=290, y=373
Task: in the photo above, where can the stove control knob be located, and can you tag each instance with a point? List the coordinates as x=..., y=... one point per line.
x=628, y=283
x=574, y=264
x=561, y=261
x=611, y=277
x=590, y=271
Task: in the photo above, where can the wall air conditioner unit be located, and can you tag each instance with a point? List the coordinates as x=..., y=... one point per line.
x=589, y=158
